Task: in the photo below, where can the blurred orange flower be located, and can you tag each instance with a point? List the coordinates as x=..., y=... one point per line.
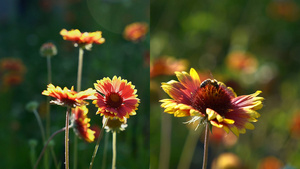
x=66, y=97
x=167, y=66
x=135, y=31
x=13, y=65
x=12, y=71
x=287, y=10
x=270, y=163
x=295, y=126
x=81, y=124
x=211, y=101
x=85, y=38
x=242, y=61
x=116, y=98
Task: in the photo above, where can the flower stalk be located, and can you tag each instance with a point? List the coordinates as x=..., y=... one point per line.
x=46, y=144
x=67, y=140
x=205, y=154
x=114, y=148
x=79, y=76
x=97, y=145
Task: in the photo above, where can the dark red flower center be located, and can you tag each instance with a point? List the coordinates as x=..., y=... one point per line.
x=211, y=95
x=114, y=100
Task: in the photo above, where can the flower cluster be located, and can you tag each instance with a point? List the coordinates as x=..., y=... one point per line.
x=212, y=102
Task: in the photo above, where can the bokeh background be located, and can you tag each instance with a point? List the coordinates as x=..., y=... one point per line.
x=24, y=27
x=248, y=45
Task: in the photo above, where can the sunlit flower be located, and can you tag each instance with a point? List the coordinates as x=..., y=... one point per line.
x=227, y=161
x=116, y=98
x=68, y=97
x=82, y=39
x=167, y=66
x=242, y=61
x=48, y=50
x=114, y=124
x=211, y=101
x=81, y=124
x=135, y=31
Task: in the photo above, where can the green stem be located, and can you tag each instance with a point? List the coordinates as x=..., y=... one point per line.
x=79, y=75
x=45, y=146
x=205, y=146
x=104, y=151
x=97, y=146
x=48, y=117
x=188, y=148
x=67, y=140
x=114, y=150
x=165, y=141
x=40, y=124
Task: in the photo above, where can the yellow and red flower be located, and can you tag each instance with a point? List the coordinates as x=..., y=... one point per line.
x=85, y=38
x=135, y=31
x=212, y=102
x=116, y=98
x=81, y=124
x=68, y=97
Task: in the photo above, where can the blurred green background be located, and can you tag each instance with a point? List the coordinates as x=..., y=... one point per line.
x=248, y=45
x=25, y=26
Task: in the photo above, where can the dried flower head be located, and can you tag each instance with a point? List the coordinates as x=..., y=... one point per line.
x=68, y=97
x=116, y=98
x=81, y=124
x=114, y=124
x=48, y=50
x=211, y=101
x=135, y=31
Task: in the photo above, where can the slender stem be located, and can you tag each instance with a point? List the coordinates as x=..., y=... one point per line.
x=40, y=124
x=67, y=140
x=104, y=151
x=45, y=146
x=205, y=145
x=114, y=150
x=48, y=117
x=97, y=145
x=79, y=75
x=43, y=135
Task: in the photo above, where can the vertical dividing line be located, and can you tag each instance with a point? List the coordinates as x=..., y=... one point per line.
x=114, y=148
x=79, y=76
x=205, y=145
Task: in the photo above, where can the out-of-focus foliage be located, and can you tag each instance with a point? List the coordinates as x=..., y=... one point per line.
x=25, y=26
x=249, y=45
